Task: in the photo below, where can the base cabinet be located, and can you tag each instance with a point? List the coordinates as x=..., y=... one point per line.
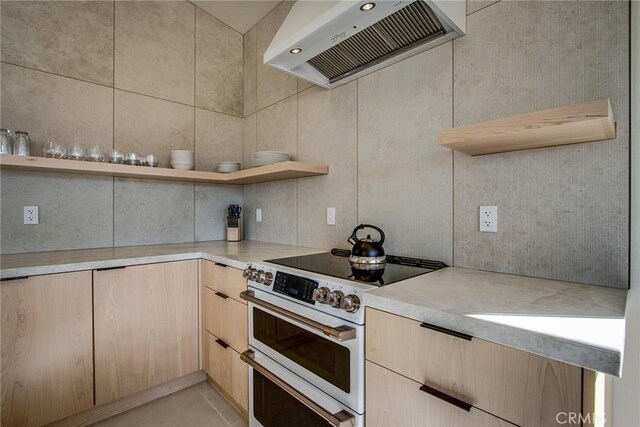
x=47, y=348
x=146, y=327
x=523, y=388
x=231, y=375
x=393, y=400
x=225, y=335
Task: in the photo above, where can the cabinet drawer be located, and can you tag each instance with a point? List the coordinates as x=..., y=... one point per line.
x=231, y=374
x=226, y=318
x=226, y=280
x=396, y=401
x=521, y=387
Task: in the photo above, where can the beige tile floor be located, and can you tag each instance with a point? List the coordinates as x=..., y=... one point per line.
x=198, y=405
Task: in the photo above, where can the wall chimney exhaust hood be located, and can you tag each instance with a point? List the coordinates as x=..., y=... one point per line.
x=330, y=43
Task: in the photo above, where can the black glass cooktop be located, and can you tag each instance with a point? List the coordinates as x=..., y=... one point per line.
x=336, y=264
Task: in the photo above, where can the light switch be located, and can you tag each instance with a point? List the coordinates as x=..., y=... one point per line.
x=258, y=215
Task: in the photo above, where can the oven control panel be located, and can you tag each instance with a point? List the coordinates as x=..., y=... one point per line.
x=296, y=287
x=337, y=299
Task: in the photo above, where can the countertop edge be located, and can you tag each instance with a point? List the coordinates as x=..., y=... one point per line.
x=599, y=359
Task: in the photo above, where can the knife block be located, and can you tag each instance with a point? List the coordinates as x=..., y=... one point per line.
x=234, y=234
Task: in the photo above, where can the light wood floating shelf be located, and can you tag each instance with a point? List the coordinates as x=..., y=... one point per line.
x=584, y=122
x=274, y=172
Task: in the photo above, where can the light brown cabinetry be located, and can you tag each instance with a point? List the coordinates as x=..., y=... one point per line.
x=224, y=366
x=393, y=400
x=520, y=387
x=146, y=327
x=225, y=337
x=47, y=348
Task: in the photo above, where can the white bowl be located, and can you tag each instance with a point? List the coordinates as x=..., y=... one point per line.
x=182, y=165
x=181, y=156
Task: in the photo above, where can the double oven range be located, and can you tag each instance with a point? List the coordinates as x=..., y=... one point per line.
x=306, y=338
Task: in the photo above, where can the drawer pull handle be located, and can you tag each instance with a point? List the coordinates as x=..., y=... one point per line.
x=120, y=267
x=220, y=265
x=14, y=278
x=446, y=331
x=221, y=295
x=449, y=399
x=222, y=343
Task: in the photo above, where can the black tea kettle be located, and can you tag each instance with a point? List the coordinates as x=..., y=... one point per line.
x=367, y=251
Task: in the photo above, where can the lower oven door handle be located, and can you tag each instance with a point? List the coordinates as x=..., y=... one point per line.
x=341, y=333
x=339, y=419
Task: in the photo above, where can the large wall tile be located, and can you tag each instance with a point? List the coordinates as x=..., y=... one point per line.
x=548, y=199
x=219, y=56
x=70, y=38
x=219, y=137
x=148, y=125
x=250, y=71
x=404, y=177
x=58, y=108
x=75, y=211
x=277, y=127
x=476, y=5
x=211, y=210
x=328, y=134
x=273, y=85
x=250, y=140
x=148, y=212
x=278, y=201
x=155, y=48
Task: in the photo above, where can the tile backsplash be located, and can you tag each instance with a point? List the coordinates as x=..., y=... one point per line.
x=161, y=75
x=136, y=76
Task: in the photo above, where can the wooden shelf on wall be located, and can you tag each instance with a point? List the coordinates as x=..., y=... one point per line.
x=274, y=172
x=584, y=122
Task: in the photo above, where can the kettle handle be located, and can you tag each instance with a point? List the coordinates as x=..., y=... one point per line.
x=354, y=238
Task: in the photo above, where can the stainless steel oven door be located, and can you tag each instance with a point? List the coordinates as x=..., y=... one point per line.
x=278, y=398
x=326, y=351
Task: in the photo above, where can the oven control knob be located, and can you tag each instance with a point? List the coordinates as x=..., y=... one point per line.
x=334, y=298
x=350, y=303
x=320, y=294
x=253, y=274
x=268, y=278
x=260, y=276
x=246, y=273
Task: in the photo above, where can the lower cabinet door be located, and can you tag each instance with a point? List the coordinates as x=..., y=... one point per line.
x=226, y=318
x=224, y=366
x=146, y=327
x=47, y=348
x=396, y=401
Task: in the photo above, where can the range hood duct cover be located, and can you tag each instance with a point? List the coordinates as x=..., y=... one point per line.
x=407, y=28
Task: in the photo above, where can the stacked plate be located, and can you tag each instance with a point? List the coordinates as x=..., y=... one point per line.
x=261, y=158
x=226, y=167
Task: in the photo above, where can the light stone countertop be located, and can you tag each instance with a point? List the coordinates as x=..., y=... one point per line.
x=583, y=325
x=579, y=324
x=234, y=254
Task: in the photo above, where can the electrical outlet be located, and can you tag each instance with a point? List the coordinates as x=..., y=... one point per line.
x=30, y=214
x=258, y=215
x=331, y=216
x=489, y=219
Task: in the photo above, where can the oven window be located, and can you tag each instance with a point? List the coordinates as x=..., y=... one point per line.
x=274, y=407
x=323, y=357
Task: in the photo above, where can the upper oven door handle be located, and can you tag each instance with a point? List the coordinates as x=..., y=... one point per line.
x=339, y=419
x=341, y=333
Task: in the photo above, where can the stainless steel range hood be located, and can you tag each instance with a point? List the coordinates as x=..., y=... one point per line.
x=331, y=43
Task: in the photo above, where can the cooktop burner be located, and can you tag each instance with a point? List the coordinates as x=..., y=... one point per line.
x=336, y=264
